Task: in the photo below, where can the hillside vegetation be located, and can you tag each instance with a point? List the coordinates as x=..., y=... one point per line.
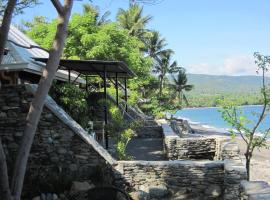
x=245, y=90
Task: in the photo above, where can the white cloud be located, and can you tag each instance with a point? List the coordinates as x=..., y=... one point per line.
x=239, y=65
x=236, y=65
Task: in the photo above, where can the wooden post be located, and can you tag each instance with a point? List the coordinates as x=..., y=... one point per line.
x=69, y=77
x=105, y=106
x=125, y=82
x=116, y=88
x=86, y=84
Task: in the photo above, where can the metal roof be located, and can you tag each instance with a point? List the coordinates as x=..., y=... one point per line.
x=20, y=59
x=95, y=67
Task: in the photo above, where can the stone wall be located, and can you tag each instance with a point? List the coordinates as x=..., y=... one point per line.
x=187, y=148
x=181, y=127
x=61, y=152
x=255, y=190
x=234, y=171
x=189, y=179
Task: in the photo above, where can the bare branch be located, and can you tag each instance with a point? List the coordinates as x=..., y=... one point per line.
x=58, y=6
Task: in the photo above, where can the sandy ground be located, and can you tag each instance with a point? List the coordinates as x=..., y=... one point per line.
x=260, y=163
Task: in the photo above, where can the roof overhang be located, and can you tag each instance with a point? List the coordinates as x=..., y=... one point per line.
x=94, y=67
x=35, y=69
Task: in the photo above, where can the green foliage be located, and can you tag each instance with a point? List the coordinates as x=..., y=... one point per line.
x=164, y=66
x=120, y=130
x=180, y=85
x=41, y=30
x=154, y=44
x=244, y=127
x=125, y=137
x=133, y=21
x=72, y=99
x=92, y=36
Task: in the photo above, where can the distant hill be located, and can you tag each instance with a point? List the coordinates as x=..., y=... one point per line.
x=215, y=84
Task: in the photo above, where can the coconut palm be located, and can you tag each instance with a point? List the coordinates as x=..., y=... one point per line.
x=133, y=21
x=100, y=19
x=155, y=44
x=180, y=85
x=163, y=67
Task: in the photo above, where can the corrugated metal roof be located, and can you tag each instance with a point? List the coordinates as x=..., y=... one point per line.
x=95, y=67
x=23, y=55
x=20, y=38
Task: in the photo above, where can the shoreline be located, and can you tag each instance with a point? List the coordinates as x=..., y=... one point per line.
x=260, y=162
x=220, y=106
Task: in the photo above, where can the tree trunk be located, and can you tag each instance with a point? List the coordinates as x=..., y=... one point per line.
x=5, y=26
x=4, y=182
x=180, y=98
x=248, y=159
x=37, y=104
x=160, y=86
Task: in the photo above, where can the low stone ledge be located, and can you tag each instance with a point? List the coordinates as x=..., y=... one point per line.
x=189, y=147
x=255, y=190
x=234, y=173
x=201, y=163
x=230, y=151
x=167, y=131
x=181, y=127
x=198, y=178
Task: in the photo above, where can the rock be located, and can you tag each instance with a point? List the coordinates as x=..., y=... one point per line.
x=43, y=196
x=139, y=195
x=213, y=191
x=144, y=188
x=36, y=198
x=18, y=134
x=73, y=167
x=3, y=115
x=80, y=186
x=55, y=197
x=158, y=191
x=49, y=196
x=62, y=151
x=62, y=196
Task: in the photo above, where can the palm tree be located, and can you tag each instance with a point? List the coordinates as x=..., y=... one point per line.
x=100, y=19
x=180, y=85
x=133, y=21
x=155, y=45
x=163, y=67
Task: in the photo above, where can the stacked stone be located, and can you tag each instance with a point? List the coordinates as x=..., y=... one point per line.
x=181, y=127
x=220, y=142
x=58, y=155
x=256, y=190
x=234, y=171
x=203, y=180
x=188, y=148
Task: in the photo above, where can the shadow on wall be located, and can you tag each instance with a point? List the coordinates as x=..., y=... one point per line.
x=58, y=154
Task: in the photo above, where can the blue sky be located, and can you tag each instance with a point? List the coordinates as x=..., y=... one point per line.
x=208, y=36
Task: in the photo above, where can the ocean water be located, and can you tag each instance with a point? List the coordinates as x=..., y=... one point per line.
x=211, y=117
